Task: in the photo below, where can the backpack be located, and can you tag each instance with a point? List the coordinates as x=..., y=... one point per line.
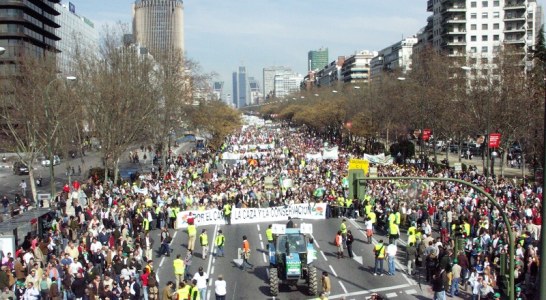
x=152, y=281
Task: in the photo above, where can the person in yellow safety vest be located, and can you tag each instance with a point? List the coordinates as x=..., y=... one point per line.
x=394, y=233
x=367, y=207
x=412, y=234
x=194, y=291
x=392, y=218
x=220, y=242
x=172, y=216
x=341, y=206
x=227, y=213
x=179, y=268
x=192, y=234
x=397, y=214
x=466, y=228
x=343, y=229
x=148, y=202
x=379, y=251
x=145, y=224
x=269, y=236
x=371, y=215
x=204, y=241
x=348, y=204
x=183, y=291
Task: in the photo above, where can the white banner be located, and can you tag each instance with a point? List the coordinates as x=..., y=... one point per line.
x=278, y=213
x=206, y=217
x=330, y=153
x=313, y=211
x=379, y=159
x=313, y=156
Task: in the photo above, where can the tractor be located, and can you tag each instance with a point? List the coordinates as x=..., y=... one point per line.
x=291, y=259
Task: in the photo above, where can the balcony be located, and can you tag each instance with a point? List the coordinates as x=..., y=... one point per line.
x=515, y=5
x=430, y=5
x=453, y=31
x=514, y=41
x=453, y=9
x=454, y=20
x=514, y=29
x=454, y=43
x=511, y=18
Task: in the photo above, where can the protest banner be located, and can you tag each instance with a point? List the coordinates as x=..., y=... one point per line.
x=278, y=213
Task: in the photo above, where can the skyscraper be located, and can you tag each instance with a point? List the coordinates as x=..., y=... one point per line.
x=255, y=91
x=218, y=90
x=317, y=59
x=75, y=31
x=243, y=90
x=159, y=25
x=235, y=89
x=27, y=28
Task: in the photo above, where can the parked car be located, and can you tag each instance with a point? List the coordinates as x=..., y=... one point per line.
x=19, y=168
x=56, y=161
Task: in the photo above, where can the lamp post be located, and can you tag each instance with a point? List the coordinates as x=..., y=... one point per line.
x=542, y=287
x=49, y=144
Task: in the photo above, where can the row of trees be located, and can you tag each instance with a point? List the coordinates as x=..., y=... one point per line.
x=441, y=93
x=117, y=95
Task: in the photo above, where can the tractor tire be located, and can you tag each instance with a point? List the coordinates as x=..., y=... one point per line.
x=273, y=281
x=312, y=281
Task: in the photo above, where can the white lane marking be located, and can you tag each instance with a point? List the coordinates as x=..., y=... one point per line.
x=211, y=257
x=323, y=256
x=261, y=245
x=265, y=257
x=315, y=241
x=391, y=295
x=411, y=292
x=174, y=235
x=211, y=272
x=389, y=288
x=267, y=271
x=258, y=225
x=343, y=287
x=399, y=266
x=260, y=236
x=333, y=271
x=161, y=262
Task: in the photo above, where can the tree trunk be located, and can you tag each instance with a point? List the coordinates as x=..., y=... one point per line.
x=105, y=164
x=116, y=168
x=32, y=185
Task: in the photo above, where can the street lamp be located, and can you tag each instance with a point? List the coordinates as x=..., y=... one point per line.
x=49, y=146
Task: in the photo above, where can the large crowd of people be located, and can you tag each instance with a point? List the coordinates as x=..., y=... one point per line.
x=99, y=244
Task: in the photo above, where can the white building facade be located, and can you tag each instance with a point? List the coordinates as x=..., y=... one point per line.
x=396, y=57
x=356, y=68
x=75, y=31
x=269, y=74
x=286, y=84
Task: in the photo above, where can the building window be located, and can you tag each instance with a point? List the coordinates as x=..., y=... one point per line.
x=473, y=38
x=473, y=16
x=484, y=26
x=484, y=49
x=496, y=37
x=496, y=15
x=496, y=49
x=484, y=15
x=484, y=3
x=496, y=3
x=472, y=26
x=473, y=50
x=496, y=26
x=484, y=38
x=473, y=4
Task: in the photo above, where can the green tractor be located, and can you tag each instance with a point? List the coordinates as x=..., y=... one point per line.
x=291, y=259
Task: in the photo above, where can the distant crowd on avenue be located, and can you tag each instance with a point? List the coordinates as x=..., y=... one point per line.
x=99, y=246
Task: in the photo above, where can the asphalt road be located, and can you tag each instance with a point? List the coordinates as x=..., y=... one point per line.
x=350, y=278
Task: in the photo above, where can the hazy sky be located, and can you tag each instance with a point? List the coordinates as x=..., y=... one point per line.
x=222, y=34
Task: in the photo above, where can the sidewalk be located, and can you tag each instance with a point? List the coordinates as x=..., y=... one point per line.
x=478, y=162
